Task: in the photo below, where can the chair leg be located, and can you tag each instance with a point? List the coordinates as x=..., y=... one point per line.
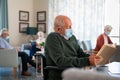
x=19, y=67
x=15, y=72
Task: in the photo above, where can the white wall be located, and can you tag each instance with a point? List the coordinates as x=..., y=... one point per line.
x=41, y=5
x=16, y=38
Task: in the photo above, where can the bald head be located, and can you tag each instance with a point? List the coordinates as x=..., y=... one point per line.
x=62, y=23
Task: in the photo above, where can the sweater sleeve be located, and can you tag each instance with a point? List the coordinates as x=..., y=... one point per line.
x=109, y=40
x=55, y=56
x=100, y=42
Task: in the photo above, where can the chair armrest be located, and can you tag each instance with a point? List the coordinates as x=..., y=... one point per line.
x=48, y=67
x=54, y=68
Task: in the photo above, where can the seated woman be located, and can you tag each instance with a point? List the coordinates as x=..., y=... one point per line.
x=41, y=39
x=38, y=44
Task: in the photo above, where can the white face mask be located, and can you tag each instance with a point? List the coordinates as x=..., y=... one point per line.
x=68, y=33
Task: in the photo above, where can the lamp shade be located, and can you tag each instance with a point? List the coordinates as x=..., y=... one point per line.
x=31, y=30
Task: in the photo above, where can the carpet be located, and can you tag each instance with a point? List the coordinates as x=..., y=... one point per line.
x=7, y=74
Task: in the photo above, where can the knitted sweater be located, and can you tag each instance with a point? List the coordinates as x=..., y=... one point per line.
x=63, y=53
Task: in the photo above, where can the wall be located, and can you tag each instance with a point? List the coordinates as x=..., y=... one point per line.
x=37, y=4
x=16, y=38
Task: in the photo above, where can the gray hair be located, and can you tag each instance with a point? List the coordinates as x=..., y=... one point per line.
x=3, y=31
x=108, y=27
x=40, y=33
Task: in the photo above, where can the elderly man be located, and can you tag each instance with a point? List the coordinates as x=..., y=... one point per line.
x=63, y=50
x=104, y=38
x=25, y=59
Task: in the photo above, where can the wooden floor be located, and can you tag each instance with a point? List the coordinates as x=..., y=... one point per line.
x=7, y=74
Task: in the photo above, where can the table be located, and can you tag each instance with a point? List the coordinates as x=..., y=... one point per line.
x=112, y=69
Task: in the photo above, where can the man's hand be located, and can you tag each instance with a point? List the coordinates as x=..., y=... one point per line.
x=97, y=60
x=91, y=59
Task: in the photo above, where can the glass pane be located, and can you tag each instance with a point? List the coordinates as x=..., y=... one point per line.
x=116, y=40
x=112, y=14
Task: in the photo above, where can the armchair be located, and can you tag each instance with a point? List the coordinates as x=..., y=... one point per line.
x=26, y=48
x=87, y=47
x=9, y=58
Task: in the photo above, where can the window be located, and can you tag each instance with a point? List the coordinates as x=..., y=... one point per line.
x=88, y=17
x=112, y=17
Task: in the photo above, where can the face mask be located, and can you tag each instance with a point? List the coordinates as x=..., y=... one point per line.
x=68, y=33
x=107, y=33
x=7, y=38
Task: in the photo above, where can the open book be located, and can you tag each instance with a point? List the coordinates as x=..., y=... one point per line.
x=106, y=52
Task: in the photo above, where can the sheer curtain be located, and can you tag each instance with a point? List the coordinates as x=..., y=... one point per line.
x=87, y=17
x=3, y=14
x=112, y=17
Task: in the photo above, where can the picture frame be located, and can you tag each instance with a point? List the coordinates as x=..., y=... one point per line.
x=23, y=15
x=41, y=27
x=23, y=27
x=41, y=16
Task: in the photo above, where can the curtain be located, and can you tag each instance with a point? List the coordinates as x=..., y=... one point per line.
x=87, y=17
x=3, y=14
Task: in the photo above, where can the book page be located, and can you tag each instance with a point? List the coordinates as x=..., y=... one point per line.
x=106, y=52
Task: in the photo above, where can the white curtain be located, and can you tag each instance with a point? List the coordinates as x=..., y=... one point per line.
x=87, y=17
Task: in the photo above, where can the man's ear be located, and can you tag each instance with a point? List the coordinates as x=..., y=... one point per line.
x=59, y=29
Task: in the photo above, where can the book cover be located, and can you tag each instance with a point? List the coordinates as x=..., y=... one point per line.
x=106, y=53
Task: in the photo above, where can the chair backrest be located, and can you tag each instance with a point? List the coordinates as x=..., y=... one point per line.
x=87, y=45
x=80, y=44
x=8, y=58
x=26, y=47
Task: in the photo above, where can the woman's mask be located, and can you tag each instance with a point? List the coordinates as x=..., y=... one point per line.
x=107, y=33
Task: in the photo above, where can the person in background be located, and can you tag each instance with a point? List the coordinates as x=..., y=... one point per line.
x=41, y=39
x=38, y=44
x=104, y=38
x=24, y=57
x=63, y=50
